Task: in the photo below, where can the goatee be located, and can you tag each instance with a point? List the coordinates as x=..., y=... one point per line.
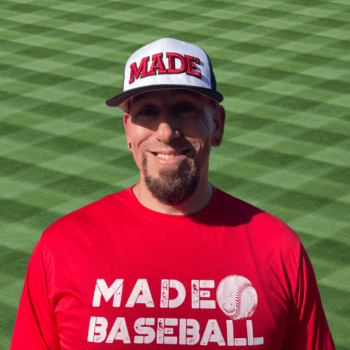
x=173, y=187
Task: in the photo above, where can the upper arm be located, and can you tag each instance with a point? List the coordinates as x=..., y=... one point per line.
x=35, y=326
x=307, y=326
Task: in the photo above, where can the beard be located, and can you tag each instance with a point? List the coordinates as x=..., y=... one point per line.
x=173, y=187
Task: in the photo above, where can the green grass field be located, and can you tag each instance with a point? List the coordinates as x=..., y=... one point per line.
x=283, y=67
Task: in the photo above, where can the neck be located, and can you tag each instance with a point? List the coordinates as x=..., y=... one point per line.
x=200, y=198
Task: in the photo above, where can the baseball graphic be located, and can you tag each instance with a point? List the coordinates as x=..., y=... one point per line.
x=236, y=297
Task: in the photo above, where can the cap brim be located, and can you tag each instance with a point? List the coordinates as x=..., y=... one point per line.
x=118, y=100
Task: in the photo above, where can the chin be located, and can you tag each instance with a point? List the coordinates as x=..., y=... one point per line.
x=173, y=186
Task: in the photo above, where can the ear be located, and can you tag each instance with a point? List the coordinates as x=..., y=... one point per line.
x=126, y=122
x=219, y=122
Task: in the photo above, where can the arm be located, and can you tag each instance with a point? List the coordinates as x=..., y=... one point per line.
x=307, y=326
x=35, y=326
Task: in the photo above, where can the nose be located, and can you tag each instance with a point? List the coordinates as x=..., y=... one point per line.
x=168, y=127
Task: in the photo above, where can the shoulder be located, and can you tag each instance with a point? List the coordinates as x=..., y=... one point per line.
x=261, y=227
x=275, y=248
x=98, y=215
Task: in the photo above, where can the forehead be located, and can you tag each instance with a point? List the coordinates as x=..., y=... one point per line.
x=168, y=94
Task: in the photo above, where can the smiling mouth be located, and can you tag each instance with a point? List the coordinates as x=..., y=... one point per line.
x=169, y=156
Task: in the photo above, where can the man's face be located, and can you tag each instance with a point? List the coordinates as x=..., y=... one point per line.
x=171, y=132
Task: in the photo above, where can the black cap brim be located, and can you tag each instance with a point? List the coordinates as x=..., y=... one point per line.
x=118, y=100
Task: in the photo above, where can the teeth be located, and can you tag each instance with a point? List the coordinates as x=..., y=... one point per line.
x=167, y=156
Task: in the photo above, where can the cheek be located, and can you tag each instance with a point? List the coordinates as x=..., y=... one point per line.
x=202, y=146
x=138, y=136
x=204, y=136
x=201, y=128
x=137, y=159
x=204, y=142
x=137, y=147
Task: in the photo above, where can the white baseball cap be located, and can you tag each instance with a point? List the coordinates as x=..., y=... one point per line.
x=167, y=64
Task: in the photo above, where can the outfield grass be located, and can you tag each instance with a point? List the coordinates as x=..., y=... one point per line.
x=283, y=67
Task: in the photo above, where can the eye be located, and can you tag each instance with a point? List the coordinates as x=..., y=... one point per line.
x=145, y=114
x=147, y=111
x=185, y=109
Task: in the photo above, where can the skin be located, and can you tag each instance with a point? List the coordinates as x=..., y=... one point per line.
x=170, y=121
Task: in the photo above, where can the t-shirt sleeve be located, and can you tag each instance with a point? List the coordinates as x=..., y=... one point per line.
x=35, y=326
x=307, y=327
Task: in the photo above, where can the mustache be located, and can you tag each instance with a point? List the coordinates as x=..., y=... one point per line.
x=174, y=144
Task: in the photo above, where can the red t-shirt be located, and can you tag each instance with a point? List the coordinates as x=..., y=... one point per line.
x=116, y=275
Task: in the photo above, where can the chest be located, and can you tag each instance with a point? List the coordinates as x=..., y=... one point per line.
x=158, y=290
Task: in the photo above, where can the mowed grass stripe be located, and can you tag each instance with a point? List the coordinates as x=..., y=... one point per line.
x=114, y=24
x=281, y=65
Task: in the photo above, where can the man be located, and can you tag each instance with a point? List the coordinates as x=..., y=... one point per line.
x=171, y=261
